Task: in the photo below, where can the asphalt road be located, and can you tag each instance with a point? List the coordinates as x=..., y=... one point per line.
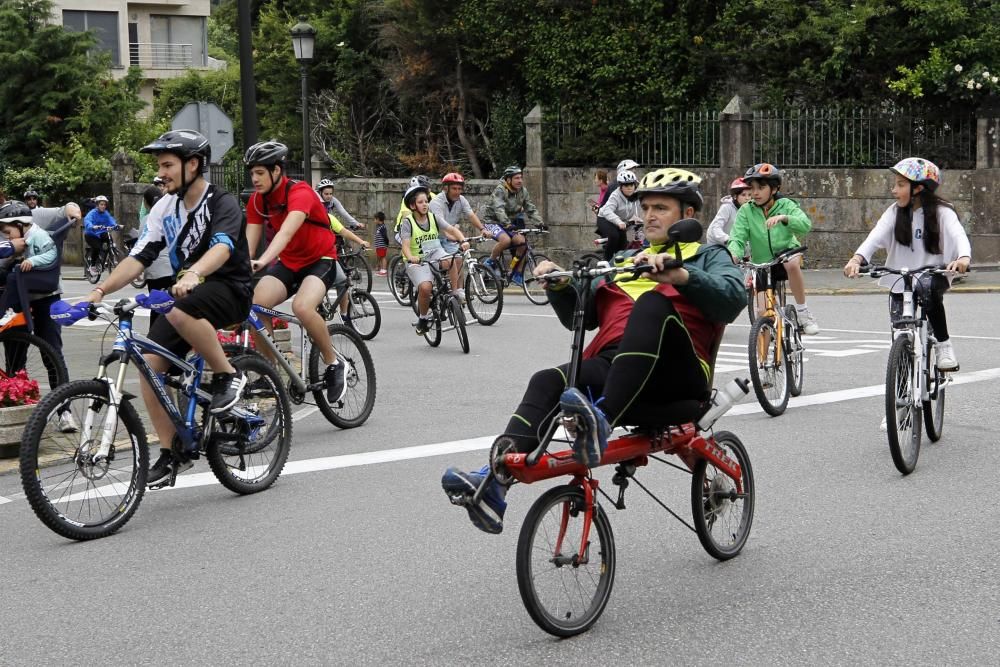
x=355, y=556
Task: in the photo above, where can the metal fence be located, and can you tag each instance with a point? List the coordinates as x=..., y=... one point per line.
x=828, y=137
x=688, y=138
x=232, y=175
x=858, y=137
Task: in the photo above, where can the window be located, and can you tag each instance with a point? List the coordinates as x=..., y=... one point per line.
x=104, y=25
x=178, y=41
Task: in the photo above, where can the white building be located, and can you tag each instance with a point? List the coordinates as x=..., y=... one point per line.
x=163, y=37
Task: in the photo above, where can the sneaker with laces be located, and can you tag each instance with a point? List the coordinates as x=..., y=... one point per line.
x=946, y=360
x=487, y=514
x=884, y=424
x=459, y=294
x=592, y=427
x=382, y=272
x=517, y=279
x=166, y=468
x=68, y=423
x=226, y=390
x=7, y=317
x=422, y=325
x=336, y=384
x=808, y=322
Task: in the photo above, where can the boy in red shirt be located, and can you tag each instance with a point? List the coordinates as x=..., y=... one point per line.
x=303, y=245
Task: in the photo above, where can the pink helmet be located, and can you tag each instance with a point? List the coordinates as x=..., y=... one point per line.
x=737, y=186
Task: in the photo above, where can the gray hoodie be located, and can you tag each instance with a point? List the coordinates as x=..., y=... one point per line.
x=718, y=230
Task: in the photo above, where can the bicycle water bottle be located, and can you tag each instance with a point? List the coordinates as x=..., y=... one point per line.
x=727, y=395
x=513, y=263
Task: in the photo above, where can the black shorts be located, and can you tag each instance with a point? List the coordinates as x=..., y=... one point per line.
x=325, y=269
x=214, y=300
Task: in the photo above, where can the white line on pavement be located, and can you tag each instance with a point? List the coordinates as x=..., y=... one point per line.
x=5, y=500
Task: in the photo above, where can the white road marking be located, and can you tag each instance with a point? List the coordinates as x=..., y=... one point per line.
x=5, y=500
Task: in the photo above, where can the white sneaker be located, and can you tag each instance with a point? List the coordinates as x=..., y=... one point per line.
x=884, y=426
x=459, y=294
x=7, y=317
x=67, y=423
x=946, y=360
x=808, y=322
x=94, y=271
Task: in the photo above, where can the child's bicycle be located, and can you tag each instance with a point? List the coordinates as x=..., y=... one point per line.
x=355, y=265
x=914, y=386
x=108, y=257
x=399, y=283
x=636, y=239
x=445, y=309
x=777, y=361
x=363, y=312
x=88, y=484
x=566, y=551
x=306, y=375
x=524, y=265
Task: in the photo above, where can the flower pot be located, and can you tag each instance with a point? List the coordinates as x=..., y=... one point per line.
x=12, y=422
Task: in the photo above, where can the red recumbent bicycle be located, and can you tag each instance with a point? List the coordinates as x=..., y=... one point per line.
x=566, y=550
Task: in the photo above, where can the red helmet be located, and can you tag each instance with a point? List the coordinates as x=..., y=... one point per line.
x=452, y=177
x=738, y=185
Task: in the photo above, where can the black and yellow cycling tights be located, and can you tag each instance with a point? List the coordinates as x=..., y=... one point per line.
x=654, y=364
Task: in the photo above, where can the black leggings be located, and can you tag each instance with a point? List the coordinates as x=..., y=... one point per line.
x=94, y=245
x=616, y=238
x=654, y=364
x=931, y=289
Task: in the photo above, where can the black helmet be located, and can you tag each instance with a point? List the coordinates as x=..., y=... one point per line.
x=15, y=211
x=511, y=171
x=30, y=193
x=184, y=144
x=266, y=153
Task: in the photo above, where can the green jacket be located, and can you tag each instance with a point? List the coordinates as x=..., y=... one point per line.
x=715, y=287
x=766, y=243
x=504, y=205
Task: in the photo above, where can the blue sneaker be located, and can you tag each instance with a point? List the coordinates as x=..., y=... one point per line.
x=592, y=427
x=487, y=514
x=517, y=279
x=490, y=262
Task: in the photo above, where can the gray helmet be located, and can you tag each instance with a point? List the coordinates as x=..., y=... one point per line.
x=511, y=171
x=266, y=153
x=411, y=194
x=763, y=172
x=31, y=193
x=15, y=211
x=184, y=144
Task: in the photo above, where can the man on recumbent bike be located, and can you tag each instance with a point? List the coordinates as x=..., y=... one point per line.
x=655, y=342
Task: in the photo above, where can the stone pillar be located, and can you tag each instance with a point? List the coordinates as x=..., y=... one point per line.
x=736, y=137
x=123, y=171
x=534, y=163
x=988, y=141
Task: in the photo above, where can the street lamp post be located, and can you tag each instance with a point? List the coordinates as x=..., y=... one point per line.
x=303, y=41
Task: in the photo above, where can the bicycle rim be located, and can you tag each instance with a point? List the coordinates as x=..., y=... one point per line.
x=933, y=408
x=359, y=399
x=72, y=490
x=902, y=416
x=564, y=591
x=483, y=294
x=20, y=350
x=794, y=351
x=532, y=288
x=457, y=317
x=366, y=318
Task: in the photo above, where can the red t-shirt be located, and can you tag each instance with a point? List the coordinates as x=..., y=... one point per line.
x=311, y=242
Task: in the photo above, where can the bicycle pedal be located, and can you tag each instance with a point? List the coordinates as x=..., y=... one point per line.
x=460, y=499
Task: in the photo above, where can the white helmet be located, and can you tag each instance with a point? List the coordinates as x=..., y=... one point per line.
x=626, y=177
x=325, y=183
x=100, y=198
x=628, y=164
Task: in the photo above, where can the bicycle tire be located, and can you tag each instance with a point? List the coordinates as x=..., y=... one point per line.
x=36, y=466
x=770, y=380
x=17, y=344
x=902, y=414
x=713, y=504
x=457, y=318
x=433, y=333
x=933, y=408
x=542, y=524
x=357, y=270
x=794, y=351
x=229, y=462
x=365, y=315
x=532, y=288
x=359, y=399
x=483, y=294
x=92, y=277
x=139, y=281
x=590, y=259
x=399, y=283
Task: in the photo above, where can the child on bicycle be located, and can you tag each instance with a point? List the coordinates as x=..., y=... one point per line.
x=37, y=250
x=421, y=243
x=97, y=226
x=381, y=242
x=729, y=206
x=770, y=223
x=621, y=210
x=655, y=344
x=343, y=232
x=920, y=229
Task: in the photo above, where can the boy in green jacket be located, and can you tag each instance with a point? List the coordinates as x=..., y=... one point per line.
x=655, y=343
x=772, y=223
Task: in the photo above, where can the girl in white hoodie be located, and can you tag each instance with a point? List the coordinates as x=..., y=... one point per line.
x=718, y=230
x=918, y=230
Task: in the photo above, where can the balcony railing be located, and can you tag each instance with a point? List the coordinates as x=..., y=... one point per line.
x=152, y=55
